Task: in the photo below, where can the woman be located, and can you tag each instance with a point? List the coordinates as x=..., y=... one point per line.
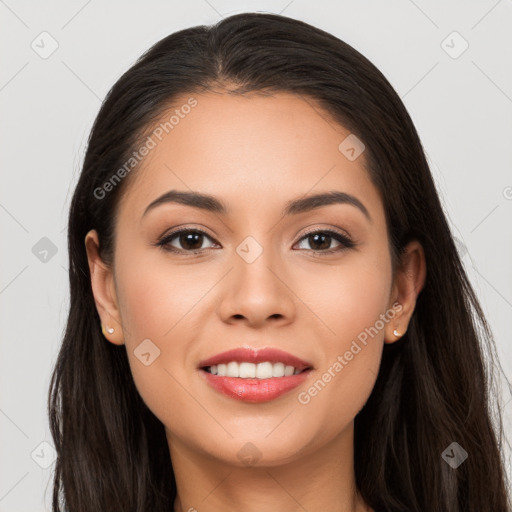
x=268, y=311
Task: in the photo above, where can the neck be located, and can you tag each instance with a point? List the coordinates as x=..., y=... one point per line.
x=321, y=480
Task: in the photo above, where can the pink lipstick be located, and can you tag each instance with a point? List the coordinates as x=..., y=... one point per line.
x=254, y=376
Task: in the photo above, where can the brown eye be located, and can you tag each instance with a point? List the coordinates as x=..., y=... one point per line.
x=320, y=241
x=191, y=241
x=188, y=240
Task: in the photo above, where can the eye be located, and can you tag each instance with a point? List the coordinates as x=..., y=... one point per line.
x=190, y=240
x=322, y=240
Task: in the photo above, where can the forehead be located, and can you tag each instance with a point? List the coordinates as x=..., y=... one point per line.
x=253, y=150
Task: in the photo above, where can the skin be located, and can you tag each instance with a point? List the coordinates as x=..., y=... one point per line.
x=255, y=153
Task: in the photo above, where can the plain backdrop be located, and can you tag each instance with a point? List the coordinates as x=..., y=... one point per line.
x=449, y=61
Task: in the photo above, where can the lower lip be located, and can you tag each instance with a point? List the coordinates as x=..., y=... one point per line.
x=255, y=390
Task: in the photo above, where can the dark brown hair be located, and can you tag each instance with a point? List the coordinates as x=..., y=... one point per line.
x=433, y=387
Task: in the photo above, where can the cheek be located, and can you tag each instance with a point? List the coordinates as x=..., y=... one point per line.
x=349, y=297
x=160, y=302
x=350, y=304
x=156, y=294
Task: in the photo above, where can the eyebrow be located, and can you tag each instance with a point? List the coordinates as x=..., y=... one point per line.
x=293, y=207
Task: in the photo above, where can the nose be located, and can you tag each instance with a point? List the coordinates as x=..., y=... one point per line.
x=257, y=292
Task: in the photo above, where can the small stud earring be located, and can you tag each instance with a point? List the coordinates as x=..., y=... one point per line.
x=110, y=330
x=396, y=333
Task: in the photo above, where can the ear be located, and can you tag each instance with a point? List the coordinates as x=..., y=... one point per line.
x=102, y=282
x=409, y=281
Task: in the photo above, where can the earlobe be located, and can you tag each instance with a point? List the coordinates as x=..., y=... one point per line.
x=103, y=290
x=409, y=281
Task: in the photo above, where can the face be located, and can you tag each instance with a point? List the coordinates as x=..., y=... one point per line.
x=314, y=282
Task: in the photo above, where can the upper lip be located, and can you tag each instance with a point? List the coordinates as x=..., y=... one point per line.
x=250, y=355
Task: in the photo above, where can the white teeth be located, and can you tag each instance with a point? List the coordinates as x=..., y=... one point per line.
x=245, y=370
x=278, y=370
x=232, y=369
x=263, y=370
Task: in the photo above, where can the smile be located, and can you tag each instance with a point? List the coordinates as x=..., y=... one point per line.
x=254, y=376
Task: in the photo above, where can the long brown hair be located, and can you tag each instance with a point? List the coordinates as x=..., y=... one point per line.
x=433, y=387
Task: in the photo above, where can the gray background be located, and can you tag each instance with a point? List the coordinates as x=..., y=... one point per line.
x=461, y=103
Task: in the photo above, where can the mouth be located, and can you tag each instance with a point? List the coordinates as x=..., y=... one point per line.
x=254, y=376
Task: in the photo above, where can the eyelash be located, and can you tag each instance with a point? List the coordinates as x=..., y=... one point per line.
x=346, y=242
